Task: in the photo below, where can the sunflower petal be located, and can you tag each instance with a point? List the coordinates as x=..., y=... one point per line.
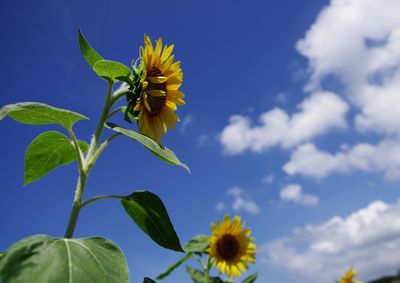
x=156, y=92
x=166, y=52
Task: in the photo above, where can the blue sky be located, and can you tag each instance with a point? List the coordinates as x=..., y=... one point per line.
x=290, y=122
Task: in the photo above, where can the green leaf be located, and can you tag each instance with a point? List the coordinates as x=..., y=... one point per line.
x=252, y=278
x=160, y=151
x=111, y=70
x=90, y=55
x=47, y=152
x=174, y=266
x=41, y=258
x=35, y=113
x=149, y=213
x=148, y=280
x=199, y=244
x=1, y=254
x=199, y=276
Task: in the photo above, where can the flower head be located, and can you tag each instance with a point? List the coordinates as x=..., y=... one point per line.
x=231, y=246
x=160, y=82
x=349, y=276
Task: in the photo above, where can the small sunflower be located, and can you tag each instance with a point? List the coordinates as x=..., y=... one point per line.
x=349, y=276
x=231, y=246
x=160, y=95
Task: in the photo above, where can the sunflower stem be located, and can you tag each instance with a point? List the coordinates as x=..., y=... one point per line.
x=86, y=163
x=207, y=270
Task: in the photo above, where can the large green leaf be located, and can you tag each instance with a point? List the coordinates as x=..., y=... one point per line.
x=90, y=55
x=199, y=276
x=35, y=113
x=159, y=150
x=149, y=213
x=48, y=151
x=252, y=278
x=174, y=266
x=199, y=244
x=111, y=70
x=41, y=258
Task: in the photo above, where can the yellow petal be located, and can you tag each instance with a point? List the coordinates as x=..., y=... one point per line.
x=176, y=94
x=167, y=64
x=157, y=51
x=171, y=105
x=176, y=100
x=157, y=80
x=156, y=92
x=166, y=52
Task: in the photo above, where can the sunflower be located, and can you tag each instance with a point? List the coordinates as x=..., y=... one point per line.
x=231, y=246
x=162, y=78
x=349, y=276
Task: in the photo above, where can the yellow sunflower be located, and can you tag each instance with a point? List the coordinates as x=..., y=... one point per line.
x=349, y=276
x=160, y=96
x=231, y=246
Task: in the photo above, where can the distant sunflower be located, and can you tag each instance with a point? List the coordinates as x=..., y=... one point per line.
x=349, y=276
x=155, y=109
x=231, y=246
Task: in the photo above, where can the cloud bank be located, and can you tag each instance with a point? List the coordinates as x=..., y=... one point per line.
x=367, y=239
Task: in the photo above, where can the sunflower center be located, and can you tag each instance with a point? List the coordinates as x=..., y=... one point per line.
x=228, y=247
x=156, y=103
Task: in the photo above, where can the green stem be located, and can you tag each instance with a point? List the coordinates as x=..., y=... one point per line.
x=78, y=150
x=99, y=198
x=100, y=125
x=76, y=206
x=207, y=270
x=85, y=164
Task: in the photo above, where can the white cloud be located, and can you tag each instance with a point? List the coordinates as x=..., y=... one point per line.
x=203, y=140
x=269, y=179
x=220, y=206
x=317, y=114
x=242, y=201
x=294, y=193
x=359, y=42
x=281, y=98
x=186, y=121
x=367, y=239
x=309, y=161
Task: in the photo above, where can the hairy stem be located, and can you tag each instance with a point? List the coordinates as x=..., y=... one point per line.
x=85, y=164
x=76, y=206
x=100, y=125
